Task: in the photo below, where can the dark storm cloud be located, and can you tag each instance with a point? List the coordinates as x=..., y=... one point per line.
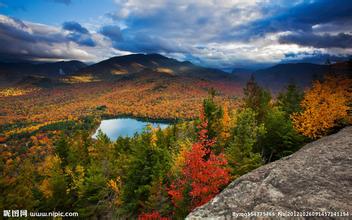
x=18, y=30
x=20, y=40
x=340, y=40
x=78, y=34
x=184, y=27
x=305, y=15
x=313, y=57
x=113, y=32
x=214, y=33
x=81, y=39
x=319, y=12
x=147, y=44
x=75, y=27
x=301, y=17
x=137, y=42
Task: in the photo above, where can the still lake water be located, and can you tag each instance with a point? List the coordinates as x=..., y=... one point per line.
x=123, y=127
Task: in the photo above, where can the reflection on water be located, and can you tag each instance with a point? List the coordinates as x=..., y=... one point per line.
x=114, y=128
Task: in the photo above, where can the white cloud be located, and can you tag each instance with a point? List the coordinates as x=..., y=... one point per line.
x=34, y=41
x=219, y=33
x=206, y=30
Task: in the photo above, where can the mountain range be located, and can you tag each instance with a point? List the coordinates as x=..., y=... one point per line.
x=301, y=74
x=24, y=72
x=156, y=65
x=137, y=63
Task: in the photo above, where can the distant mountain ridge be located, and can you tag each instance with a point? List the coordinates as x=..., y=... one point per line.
x=279, y=76
x=301, y=74
x=14, y=72
x=155, y=66
x=138, y=63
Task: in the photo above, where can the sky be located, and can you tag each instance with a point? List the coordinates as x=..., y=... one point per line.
x=215, y=33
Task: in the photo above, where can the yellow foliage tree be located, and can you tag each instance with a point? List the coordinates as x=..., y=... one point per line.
x=323, y=106
x=179, y=159
x=153, y=137
x=115, y=186
x=225, y=130
x=77, y=176
x=49, y=169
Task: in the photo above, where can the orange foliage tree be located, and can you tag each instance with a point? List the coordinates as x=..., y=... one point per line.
x=203, y=173
x=325, y=104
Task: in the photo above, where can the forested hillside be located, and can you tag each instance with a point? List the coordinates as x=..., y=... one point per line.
x=134, y=109
x=164, y=173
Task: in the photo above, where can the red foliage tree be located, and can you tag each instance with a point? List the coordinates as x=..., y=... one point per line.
x=203, y=174
x=152, y=216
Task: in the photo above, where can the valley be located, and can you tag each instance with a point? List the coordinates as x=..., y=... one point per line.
x=209, y=127
x=146, y=93
x=171, y=110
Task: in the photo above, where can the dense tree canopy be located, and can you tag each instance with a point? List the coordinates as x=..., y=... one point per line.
x=162, y=173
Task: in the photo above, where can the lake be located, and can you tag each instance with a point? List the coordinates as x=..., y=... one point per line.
x=124, y=127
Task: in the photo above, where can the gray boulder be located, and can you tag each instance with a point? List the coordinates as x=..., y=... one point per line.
x=317, y=178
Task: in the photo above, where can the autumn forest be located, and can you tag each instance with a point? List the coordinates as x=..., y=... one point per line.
x=221, y=129
x=170, y=110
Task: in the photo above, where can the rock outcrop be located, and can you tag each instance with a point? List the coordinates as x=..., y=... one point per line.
x=317, y=178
